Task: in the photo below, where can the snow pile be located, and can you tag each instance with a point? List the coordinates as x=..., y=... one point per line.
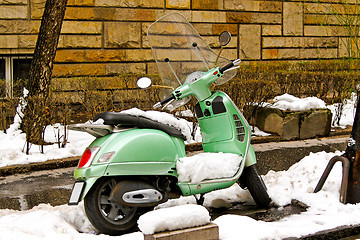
x=348, y=111
x=165, y=118
x=12, y=146
x=291, y=103
x=173, y=218
x=207, y=166
x=301, y=179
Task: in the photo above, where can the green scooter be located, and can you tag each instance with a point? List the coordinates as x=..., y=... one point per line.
x=131, y=166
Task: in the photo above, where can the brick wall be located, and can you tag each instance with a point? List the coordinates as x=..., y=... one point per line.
x=108, y=37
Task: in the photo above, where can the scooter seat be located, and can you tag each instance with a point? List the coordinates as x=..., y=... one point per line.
x=116, y=118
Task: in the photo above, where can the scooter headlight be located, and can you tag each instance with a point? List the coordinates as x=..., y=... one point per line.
x=88, y=156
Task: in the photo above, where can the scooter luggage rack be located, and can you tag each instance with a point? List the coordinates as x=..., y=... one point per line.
x=97, y=130
x=345, y=176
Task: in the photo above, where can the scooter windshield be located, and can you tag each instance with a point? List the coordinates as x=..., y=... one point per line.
x=179, y=51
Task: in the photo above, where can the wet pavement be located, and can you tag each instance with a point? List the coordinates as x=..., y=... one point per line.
x=24, y=191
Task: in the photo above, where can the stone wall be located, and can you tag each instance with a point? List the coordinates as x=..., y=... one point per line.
x=108, y=37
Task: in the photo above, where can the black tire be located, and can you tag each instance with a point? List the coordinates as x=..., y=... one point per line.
x=256, y=186
x=106, y=216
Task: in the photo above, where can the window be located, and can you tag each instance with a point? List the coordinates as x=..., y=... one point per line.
x=13, y=69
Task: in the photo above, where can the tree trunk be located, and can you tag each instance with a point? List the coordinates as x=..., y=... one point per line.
x=36, y=113
x=45, y=50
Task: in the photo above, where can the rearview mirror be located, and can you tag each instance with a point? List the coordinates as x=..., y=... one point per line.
x=224, y=38
x=144, y=82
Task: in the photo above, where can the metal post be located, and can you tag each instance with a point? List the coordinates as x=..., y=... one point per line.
x=352, y=153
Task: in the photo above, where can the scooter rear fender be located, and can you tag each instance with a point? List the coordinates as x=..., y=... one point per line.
x=136, y=152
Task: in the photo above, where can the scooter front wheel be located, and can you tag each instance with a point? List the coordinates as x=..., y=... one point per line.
x=107, y=216
x=256, y=186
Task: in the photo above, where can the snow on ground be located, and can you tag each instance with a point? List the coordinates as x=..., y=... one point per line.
x=69, y=222
x=12, y=145
x=324, y=212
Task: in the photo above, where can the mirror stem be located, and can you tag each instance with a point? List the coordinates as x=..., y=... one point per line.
x=217, y=58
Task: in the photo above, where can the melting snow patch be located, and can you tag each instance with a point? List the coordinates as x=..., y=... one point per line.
x=173, y=218
x=207, y=166
x=165, y=118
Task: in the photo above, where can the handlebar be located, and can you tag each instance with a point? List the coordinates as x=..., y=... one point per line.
x=229, y=65
x=163, y=102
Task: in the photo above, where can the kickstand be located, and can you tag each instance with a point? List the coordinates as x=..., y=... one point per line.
x=199, y=199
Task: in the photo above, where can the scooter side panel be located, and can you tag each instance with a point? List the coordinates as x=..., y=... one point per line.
x=136, y=152
x=141, y=145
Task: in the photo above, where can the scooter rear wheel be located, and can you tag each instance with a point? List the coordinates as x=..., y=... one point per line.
x=106, y=216
x=256, y=186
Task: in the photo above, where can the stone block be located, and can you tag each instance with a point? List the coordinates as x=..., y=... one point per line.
x=84, y=27
x=69, y=55
x=138, y=55
x=130, y=14
x=128, y=68
x=269, y=54
x=130, y=3
x=207, y=232
x=151, y=3
x=19, y=26
x=315, y=123
x=151, y=68
x=9, y=41
x=289, y=53
x=250, y=41
x=80, y=2
x=80, y=41
x=271, y=30
x=271, y=6
x=13, y=12
x=267, y=18
x=207, y=4
x=105, y=55
x=244, y=5
x=14, y=2
x=238, y=17
x=37, y=8
x=293, y=19
x=219, y=28
x=178, y=4
x=89, y=13
x=290, y=125
x=318, y=53
x=27, y=41
x=122, y=34
x=84, y=69
x=208, y=16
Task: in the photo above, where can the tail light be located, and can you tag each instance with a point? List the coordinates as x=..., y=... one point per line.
x=88, y=156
